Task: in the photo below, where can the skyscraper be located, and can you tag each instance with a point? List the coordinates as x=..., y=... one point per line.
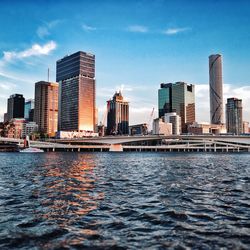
x=216, y=89
x=28, y=107
x=178, y=97
x=234, y=116
x=46, y=107
x=118, y=115
x=76, y=76
x=165, y=99
x=15, y=106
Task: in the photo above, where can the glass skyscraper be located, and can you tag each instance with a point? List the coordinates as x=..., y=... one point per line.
x=178, y=97
x=234, y=119
x=29, y=109
x=76, y=77
x=15, y=107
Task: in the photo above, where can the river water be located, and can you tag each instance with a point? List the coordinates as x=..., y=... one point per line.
x=124, y=201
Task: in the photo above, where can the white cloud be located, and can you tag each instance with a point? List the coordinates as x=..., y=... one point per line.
x=44, y=30
x=35, y=50
x=137, y=29
x=86, y=27
x=174, y=31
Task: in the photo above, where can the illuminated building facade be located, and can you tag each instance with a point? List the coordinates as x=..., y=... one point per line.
x=46, y=107
x=118, y=115
x=76, y=76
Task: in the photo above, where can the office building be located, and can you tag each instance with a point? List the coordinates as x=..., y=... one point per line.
x=178, y=97
x=138, y=129
x=206, y=128
x=165, y=99
x=15, y=107
x=175, y=120
x=29, y=109
x=46, y=107
x=161, y=128
x=118, y=115
x=76, y=77
x=234, y=120
x=216, y=89
x=246, y=127
x=5, y=117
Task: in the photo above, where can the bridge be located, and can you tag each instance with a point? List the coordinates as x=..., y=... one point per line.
x=173, y=143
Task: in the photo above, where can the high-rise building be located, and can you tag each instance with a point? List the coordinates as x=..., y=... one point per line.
x=234, y=116
x=178, y=97
x=216, y=89
x=76, y=76
x=46, y=107
x=118, y=115
x=15, y=106
x=165, y=99
x=28, y=107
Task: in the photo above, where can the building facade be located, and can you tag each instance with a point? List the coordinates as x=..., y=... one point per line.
x=76, y=76
x=246, y=127
x=175, y=120
x=234, y=120
x=15, y=107
x=178, y=97
x=117, y=115
x=161, y=128
x=216, y=89
x=29, y=109
x=46, y=107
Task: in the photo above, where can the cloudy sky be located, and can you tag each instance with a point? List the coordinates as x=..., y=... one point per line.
x=138, y=44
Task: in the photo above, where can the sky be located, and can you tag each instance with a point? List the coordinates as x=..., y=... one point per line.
x=138, y=44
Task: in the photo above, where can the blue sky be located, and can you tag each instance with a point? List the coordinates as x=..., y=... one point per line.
x=138, y=45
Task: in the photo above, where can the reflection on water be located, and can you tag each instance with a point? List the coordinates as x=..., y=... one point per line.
x=124, y=200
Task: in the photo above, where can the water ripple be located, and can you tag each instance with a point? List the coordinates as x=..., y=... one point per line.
x=124, y=201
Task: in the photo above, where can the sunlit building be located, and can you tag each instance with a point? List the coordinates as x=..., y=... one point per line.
x=161, y=128
x=216, y=89
x=46, y=107
x=234, y=120
x=76, y=76
x=245, y=127
x=118, y=115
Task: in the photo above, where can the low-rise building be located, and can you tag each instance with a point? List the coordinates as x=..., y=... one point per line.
x=15, y=128
x=138, y=129
x=161, y=128
x=30, y=128
x=175, y=120
x=206, y=128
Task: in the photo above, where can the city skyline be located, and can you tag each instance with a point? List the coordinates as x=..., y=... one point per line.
x=132, y=53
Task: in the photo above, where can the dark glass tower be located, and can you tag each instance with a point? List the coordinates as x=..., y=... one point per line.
x=234, y=116
x=177, y=97
x=15, y=106
x=76, y=76
x=118, y=115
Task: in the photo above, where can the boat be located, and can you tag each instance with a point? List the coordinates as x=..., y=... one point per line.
x=28, y=149
x=31, y=150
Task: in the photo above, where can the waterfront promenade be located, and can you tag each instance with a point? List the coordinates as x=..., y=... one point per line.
x=153, y=143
